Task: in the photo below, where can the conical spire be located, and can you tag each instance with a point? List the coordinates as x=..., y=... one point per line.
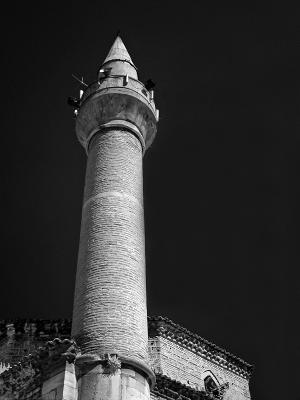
x=118, y=51
x=118, y=61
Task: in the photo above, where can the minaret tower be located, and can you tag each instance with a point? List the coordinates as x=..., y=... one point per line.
x=116, y=123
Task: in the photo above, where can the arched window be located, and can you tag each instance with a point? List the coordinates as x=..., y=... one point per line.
x=211, y=386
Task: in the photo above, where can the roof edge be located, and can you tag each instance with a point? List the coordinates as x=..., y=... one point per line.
x=163, y=326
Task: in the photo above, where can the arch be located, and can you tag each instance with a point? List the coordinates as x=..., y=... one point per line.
x=207, y=373
x=211, y=383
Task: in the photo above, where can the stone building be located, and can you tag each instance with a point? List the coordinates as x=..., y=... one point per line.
x=112, y=350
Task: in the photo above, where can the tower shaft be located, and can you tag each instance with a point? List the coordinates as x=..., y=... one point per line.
x=110, y=297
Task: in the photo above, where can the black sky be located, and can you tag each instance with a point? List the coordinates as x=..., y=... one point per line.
x=221, y=179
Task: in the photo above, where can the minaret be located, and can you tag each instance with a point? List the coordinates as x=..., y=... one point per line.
x=116, y=123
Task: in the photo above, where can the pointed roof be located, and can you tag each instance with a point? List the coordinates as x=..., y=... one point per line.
x=118, y=51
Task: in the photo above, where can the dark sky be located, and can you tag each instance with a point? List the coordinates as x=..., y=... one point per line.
x=221, y=179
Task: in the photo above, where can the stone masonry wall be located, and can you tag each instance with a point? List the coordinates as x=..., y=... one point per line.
x=110, y=296
x=181, y=364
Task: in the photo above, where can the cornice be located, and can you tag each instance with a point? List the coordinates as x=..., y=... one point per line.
x=164, y=327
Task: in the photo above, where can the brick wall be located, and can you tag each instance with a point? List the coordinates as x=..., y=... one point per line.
x=183, y=365
x=110, y=296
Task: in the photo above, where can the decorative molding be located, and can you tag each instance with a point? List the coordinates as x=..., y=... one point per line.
x=111, y=364
x=164, y=327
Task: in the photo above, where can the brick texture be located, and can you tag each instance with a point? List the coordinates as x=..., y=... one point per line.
x=109, y=313
x=180, y=364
